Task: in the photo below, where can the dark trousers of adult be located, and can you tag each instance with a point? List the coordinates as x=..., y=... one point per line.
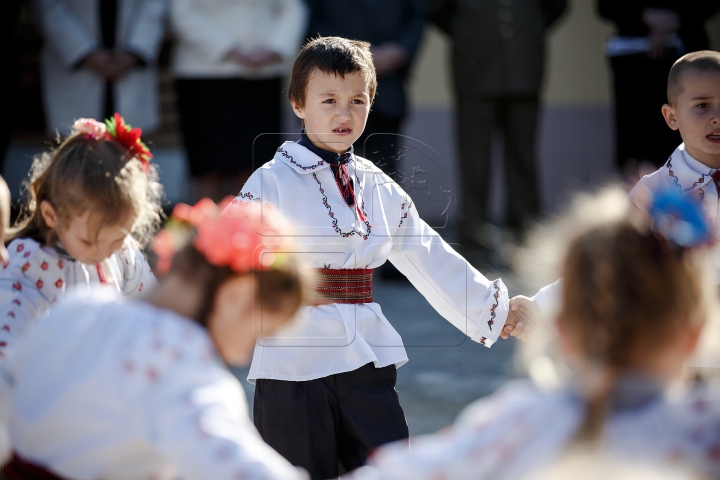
x=477, y=117
x=379, y=142
x=322, y=423
x=640, y=85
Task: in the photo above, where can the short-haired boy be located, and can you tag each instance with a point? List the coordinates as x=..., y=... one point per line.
x=325, y=390
x=693, y=108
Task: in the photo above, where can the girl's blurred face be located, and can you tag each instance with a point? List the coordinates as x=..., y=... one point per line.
x=83, y=240
x=90, y=245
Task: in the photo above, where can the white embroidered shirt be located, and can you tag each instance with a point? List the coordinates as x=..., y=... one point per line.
x=115, y=388
x=37, y=276
x=520, y=429
x=338, y=338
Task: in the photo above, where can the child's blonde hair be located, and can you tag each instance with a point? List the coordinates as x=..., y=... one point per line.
x=626, y=290
x=90, y=174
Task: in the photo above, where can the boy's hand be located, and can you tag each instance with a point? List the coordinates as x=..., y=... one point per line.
x=523, y=316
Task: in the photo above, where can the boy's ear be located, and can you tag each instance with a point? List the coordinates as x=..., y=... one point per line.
x=669, y=113
x=298, y=111
x=48, y=213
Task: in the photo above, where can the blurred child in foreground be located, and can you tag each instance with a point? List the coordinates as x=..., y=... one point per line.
x=109, y=387
x=93, y=203
x=634, y=302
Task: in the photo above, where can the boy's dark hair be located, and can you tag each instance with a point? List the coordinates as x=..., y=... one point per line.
x=335, y=55
x=704, y=61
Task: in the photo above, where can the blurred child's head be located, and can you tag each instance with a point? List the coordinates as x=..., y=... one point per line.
x=244, y=282
x=693, y=106
x=4, y=217
x=636, y=290
x=632, y=299
x=332, y=86
x=89, y=194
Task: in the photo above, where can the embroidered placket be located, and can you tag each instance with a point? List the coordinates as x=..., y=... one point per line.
x=716, y=179
x=345, y=183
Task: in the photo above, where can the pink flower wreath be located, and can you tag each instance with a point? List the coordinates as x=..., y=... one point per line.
x=242, y=237
x=116, y=129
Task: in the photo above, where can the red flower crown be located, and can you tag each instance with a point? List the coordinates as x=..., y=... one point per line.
x=238, y=236
x=116, y=129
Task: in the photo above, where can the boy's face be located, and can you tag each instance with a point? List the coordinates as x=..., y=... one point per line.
x=696, y=113
x=335, y=109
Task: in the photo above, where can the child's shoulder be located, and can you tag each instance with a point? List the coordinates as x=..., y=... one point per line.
x=514, y=398
x=26, y=254
x=298, y=158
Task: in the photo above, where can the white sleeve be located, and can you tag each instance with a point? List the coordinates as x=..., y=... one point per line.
x=5, y=392
x=193, y=21
x=197, y=416
x=137, y=274
x=548, y=300
x=508, y=434
x=262, y=186
x=64, y=32
x=29, y=283
x=455, y=289
x=148, y=27
x=290, y=26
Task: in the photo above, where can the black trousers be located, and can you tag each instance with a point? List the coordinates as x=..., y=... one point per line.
x=640, y=85
x=317, y=424
x=516, y=116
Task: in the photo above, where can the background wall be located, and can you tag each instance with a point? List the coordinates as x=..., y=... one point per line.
x=576, y=141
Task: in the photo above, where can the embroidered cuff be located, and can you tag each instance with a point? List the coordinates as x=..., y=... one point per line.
x=494, y=315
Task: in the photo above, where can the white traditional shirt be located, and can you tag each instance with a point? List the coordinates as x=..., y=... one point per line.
x=111, y=388
x=37, y=276
x=520, y=430
x=681, y=171
x=339, y=338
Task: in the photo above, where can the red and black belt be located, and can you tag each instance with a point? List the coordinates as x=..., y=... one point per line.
x=349, y=285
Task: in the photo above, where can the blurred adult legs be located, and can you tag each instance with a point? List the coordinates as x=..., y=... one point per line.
x=229, y=127
x=640, y=92
x=476, y=119
x=519, y=123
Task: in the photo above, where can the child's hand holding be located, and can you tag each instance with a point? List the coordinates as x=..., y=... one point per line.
x=523, y=316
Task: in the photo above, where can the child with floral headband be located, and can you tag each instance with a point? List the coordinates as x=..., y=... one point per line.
x=109, y=387
x=93, y=202
x=635, y=300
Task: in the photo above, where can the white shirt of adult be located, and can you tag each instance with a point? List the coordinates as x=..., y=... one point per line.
x=336, y=338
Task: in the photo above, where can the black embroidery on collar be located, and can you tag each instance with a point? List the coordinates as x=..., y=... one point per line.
x=285, y=154
x=335, y=221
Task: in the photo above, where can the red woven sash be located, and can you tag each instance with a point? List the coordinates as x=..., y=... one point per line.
x=351, y=285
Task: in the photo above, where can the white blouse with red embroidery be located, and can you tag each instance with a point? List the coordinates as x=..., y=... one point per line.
x=520, y=429
x=36, y=277
x=338, y=337
x=114, y=388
